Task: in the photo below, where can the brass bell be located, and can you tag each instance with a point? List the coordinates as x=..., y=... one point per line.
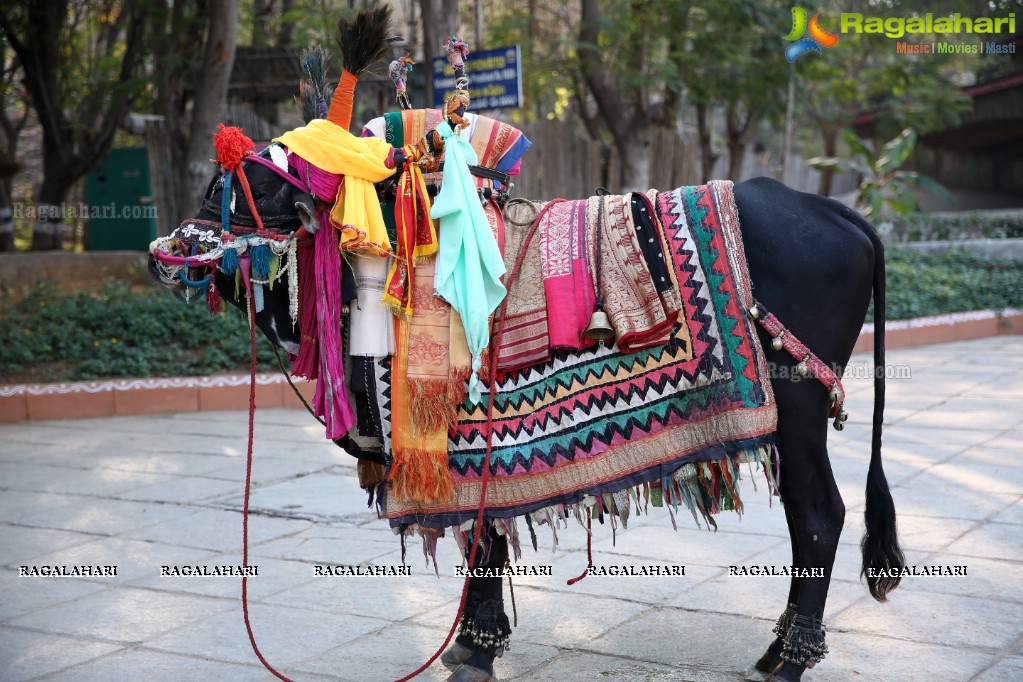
x=754, y=312
x=599, y=328
x=777, y=343
x=802, y=367
x=833, y=393
x=840, y=420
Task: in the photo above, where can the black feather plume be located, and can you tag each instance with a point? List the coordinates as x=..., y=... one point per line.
x=315, y=89
x=364, y=40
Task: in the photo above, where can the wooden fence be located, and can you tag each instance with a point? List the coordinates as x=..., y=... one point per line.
x=564, y=164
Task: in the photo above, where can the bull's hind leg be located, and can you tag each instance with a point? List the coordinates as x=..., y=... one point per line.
x=484, y=629
x=772, y=657
x=815, y=514
x=814, y=269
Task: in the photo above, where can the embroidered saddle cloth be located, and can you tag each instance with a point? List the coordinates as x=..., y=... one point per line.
x=679, y=416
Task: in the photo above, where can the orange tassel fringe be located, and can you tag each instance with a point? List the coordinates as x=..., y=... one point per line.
x=420, y=476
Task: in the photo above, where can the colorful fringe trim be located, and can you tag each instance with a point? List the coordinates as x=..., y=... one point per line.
x=704, y=488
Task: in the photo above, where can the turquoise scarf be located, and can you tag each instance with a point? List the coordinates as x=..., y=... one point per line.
x=469, y=261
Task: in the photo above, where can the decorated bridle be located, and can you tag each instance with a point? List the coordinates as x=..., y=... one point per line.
x=254, y=249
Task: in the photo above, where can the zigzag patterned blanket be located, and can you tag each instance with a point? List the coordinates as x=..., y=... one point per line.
x=680, y=416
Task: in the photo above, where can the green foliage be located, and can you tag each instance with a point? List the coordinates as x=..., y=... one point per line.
x=934, y=284
x=120, y=333
x=918, y=227
x=883, y=184
x=864, y=72
x=546, y=34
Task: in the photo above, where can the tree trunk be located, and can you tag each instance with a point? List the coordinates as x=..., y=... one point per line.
x=739, y=132
x=829, y=133
x=170, y=78
x=210, y=101
x=736, y=151
x=261, y=11
x=285, y=36
x=706, y=135
x=786, y=147
x=635, y=152
x=440, y=22
x=628, y=121
x=6, y=219
x=47, y=228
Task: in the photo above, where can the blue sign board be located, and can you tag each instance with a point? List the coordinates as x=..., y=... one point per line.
x=495, y=79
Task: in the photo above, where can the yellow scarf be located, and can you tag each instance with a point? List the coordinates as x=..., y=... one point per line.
x=360, y=160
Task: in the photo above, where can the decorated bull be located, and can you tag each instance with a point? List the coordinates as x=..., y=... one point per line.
x=493, y=362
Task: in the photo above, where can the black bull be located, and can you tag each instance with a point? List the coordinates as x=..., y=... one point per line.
x=814, y=263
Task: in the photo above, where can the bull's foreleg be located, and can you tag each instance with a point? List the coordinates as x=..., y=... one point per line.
x=815, y=514
x=484, y=629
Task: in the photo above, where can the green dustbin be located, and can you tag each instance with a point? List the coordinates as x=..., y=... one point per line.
x=122, y=215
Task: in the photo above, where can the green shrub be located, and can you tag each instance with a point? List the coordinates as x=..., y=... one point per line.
x=923, y=227
x=934, y=284
x=120, y=333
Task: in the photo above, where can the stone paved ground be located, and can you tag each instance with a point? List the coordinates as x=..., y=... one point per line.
x=143, y=492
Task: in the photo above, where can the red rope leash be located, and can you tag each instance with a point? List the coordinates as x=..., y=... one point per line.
x=248, y=484
x=589, y=551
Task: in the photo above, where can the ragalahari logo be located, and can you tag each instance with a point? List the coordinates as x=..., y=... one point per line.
x=817, y=39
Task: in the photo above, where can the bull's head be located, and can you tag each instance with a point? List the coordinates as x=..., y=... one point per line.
x=284, y=208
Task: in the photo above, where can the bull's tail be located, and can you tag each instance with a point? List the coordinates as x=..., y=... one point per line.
x=883, y=559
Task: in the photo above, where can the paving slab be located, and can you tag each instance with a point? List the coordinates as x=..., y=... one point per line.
x=284, y=634
x=22, y=543
x=1009, y=669
x=970, y=623
x=593, y=666
x=377, y=656
x=205, y=529
x=678, y=637
x=126, y=615
x=28, y=654
x=155, y=666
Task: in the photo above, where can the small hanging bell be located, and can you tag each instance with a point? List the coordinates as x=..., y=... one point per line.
x=802, y=368
x=777, y=342
x=833, y=393
x=599, y=328
x=754, y=312
x=840, y=420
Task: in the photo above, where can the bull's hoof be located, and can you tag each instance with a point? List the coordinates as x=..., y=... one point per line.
x=467, y=673
x=771, y=659
x=456, y=655
x=789, y=673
